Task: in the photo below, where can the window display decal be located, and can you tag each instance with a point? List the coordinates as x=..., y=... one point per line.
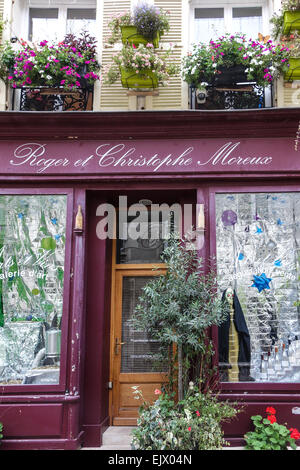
x=258, y=259
x=32, y=250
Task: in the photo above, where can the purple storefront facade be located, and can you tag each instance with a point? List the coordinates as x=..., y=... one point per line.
x=214, y=158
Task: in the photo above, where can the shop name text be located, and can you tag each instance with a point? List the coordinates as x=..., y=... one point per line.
x=118, y=156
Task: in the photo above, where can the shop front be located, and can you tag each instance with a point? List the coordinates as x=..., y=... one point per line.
x=86, y=205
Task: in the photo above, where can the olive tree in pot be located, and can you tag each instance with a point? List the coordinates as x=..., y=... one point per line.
x=177, y=310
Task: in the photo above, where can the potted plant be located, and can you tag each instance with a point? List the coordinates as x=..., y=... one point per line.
x=287, y=19
x=176, y=310
x=62, y=68
x=221, y=59
x=269, y=434
x=193, y=423
x=292, y=41
x=140, y=67
x=291, y=16
x=146, y=24
x=53, y=65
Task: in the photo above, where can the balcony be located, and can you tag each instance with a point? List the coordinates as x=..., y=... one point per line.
x=52, y=99
x=237, y=96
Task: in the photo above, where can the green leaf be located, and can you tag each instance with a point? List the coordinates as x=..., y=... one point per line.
x=48, y=243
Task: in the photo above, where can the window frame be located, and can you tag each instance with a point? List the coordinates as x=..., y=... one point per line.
x=62, y=13
x=66, y=315
x=211, y=204
x=228, y=7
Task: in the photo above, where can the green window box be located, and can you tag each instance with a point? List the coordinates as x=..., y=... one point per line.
x=131, y=79
x=131, y=36
x=291, y=21
x=294, y=70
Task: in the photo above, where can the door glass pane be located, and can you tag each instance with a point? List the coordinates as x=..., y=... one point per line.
x=209, y=24
x=137, y=349
x=143, y=241
x=32, y=255
x=247, y=21
x=258, y=257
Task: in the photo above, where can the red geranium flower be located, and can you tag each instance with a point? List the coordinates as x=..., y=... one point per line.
x=295, y=434
x=270, y=410
x=272, y=419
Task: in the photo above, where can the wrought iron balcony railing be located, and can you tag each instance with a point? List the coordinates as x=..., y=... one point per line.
x=238, y=96
x=52, y=99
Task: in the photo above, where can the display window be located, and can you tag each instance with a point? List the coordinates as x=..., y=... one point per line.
x=32, y=266
x=258, y=263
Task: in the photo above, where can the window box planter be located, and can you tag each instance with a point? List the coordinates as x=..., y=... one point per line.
x=291, y=21
x=130, y=35
x=294, y=70
x=131, y=79
x=230, y=76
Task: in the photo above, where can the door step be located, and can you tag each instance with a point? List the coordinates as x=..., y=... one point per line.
x=117, y=438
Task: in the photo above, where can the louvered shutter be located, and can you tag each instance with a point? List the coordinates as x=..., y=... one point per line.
x=291, y=97
x=114, y=97
x=170, y=96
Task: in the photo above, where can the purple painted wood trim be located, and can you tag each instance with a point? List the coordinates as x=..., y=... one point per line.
x=38, y=398
x=77, y=305
x=42, y=444
x=27, y=389
x=272, y=122
x=246, y=390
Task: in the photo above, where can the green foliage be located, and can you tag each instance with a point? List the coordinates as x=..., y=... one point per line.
x=263, y=61
x=177, y=309
x=141, y=59
x=268, y=435
x=148, y=19
x=277, y=19
x=1, y=429
x=66, y=64
x=191, y=424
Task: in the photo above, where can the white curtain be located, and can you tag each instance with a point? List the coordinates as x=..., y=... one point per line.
x=208, y=28
x=250, y=26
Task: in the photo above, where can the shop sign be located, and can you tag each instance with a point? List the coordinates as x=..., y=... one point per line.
x=154, y=157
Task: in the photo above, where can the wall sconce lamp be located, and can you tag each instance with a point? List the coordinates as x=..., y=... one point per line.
x=201, y=219
x=79, y=221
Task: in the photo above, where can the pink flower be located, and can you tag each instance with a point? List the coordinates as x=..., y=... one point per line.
x=157, y=391
x=189, y=428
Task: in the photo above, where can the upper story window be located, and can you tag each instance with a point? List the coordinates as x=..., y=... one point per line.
x=55, y=23
x=237, y=17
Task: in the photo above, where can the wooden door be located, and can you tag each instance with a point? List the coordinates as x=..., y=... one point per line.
x=131, y=362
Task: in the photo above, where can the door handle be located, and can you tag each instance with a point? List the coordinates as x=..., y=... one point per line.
x=117, y=344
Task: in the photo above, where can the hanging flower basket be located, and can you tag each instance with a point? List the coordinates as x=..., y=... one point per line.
x=230, y=75
x=131, y=79
x=130, y=35
x=291, y=21
x=294, y=69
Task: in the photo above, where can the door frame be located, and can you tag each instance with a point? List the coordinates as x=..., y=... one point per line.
x=118, y=272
